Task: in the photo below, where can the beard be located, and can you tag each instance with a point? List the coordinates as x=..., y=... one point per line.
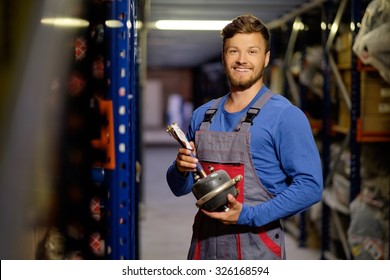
x=243, y=83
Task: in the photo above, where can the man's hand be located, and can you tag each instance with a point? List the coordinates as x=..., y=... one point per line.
x=230, y=217
x=184, y=161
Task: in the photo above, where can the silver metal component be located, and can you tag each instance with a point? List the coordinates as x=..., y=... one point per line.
x=175, y=131
x=202, y=173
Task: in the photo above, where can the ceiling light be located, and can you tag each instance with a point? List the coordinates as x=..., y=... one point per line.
x=298, y=25
x=65, y=22
x=114, y=23
x=191, y=24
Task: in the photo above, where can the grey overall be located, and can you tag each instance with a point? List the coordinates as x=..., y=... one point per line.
x=231, y=151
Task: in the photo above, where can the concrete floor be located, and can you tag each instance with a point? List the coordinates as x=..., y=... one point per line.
x=166, y=220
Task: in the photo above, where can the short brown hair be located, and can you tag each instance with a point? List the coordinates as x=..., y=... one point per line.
x=246, y=24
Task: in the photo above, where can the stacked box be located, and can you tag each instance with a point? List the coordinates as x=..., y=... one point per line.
x=343, y=47
x=374, y=102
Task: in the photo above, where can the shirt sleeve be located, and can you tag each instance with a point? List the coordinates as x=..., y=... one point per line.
x=300, y=161
x=178, y=183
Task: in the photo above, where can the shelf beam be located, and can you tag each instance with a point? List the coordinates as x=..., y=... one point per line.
x=295, y=13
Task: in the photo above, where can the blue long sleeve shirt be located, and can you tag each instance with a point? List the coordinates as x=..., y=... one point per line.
x=284, y=154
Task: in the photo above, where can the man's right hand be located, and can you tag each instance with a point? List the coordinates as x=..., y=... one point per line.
x=184, y=161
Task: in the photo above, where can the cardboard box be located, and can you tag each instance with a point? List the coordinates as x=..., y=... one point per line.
x=343, y=47
x=344, y=114
x=375, y=95
x=376, y=123
x=374, y=102
x=344, y=119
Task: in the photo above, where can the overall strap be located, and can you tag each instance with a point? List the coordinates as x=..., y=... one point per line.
x=205, y=125
x=247, y=121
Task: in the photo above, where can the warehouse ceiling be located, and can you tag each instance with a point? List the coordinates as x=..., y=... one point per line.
x=183, y=49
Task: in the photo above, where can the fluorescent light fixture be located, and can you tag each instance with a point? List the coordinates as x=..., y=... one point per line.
x=112, y=23
x=139, y=24
x=298, y=25
x=65, y=22
x=191, y=24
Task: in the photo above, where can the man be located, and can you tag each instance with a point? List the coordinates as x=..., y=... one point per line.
x=257, y=134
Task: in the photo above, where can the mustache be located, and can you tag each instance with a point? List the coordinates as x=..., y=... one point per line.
x=238, y=64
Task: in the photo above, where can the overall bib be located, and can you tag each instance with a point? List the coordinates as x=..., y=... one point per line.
x=231, y=151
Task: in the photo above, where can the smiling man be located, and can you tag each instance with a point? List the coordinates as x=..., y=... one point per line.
x=255, y=133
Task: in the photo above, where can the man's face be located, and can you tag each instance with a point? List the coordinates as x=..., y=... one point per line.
x=244, y=58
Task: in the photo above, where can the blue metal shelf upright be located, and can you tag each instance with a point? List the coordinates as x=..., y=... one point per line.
x=355, y=106
x=120, y=65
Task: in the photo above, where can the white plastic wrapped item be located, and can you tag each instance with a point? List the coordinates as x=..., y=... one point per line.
x=372, y=43
x=311, y=74
x=367, y=233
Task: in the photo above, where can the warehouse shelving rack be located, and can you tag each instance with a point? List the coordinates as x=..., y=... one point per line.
x=333, y=14
x=355, y=135
x=330, y=209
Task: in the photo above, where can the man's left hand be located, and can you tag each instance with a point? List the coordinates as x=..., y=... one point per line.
x=229, y=217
